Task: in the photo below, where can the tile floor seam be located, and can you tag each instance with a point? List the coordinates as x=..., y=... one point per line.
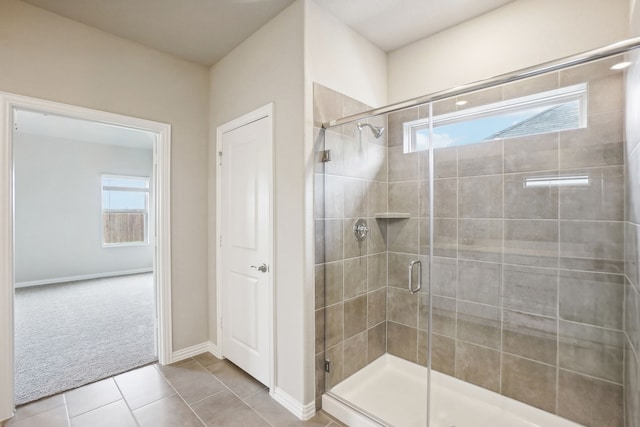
x=93, y=409
x=66, y=409
x=126, y=403
x=177, y=393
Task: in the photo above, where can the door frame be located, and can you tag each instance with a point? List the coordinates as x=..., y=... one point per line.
x=162, y=255
x=261, y=113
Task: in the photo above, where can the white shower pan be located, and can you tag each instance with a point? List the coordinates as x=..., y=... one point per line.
x=394, y=392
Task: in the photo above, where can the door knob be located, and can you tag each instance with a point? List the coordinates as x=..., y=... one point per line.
x=261, y=268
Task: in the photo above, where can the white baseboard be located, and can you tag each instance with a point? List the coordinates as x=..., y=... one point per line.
x=195, y=350
x=300, y=410
x=82, y=277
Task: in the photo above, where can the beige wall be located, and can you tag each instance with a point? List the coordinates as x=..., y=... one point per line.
x=516, y=36
x=341, y=59
x=46, y=56
x=265, y=68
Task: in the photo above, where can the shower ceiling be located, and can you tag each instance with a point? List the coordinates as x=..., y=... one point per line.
x=204, y=31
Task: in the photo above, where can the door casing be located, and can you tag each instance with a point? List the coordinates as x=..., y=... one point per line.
x=162, y=257
x=263, y=112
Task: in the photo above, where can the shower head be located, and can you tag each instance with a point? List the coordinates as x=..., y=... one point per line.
x=377, y=130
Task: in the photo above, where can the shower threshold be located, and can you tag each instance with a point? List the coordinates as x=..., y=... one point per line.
x=393, y=392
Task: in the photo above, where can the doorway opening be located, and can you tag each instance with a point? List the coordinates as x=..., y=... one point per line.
x=86, y=243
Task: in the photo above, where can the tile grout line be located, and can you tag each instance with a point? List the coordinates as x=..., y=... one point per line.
x=135, y=420
x=180, y=396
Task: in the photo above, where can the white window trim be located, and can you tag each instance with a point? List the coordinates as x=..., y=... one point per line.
x=146, y=189
x=566, y=94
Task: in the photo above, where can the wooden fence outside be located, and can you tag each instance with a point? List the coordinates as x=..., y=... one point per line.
x=123, y=227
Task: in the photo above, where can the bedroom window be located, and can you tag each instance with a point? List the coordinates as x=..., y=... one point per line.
x=544, y=112
x=125, y=210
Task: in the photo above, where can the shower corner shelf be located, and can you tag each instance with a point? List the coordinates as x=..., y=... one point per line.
x=392, y=215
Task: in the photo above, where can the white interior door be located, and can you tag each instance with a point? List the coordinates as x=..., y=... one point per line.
x=245, y=247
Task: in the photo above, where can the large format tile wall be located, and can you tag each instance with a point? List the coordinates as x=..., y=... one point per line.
x=632, y=234
x=350, y=276
x=528, y=284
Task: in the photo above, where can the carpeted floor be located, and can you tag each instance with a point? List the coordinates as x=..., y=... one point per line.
x=71, y=334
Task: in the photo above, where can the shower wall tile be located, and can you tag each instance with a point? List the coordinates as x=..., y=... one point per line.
x=478, y=365
x=333, y=197
x=445, y=199
x=402, y=307
x=376, y=307
x=327, y=105
x=332, y=239
x=403, y=166
x=402, y=341
x=377, y=162
x=592, y=298
x=334, y=321
x=479, y=324
x=377, y=197
x=479, y=282
x=606, y=94
x=531, y=153
x=355, y=197
x=355, y=277
x=377, y=271
x=481, y=97
x=602, y=200
x=356, y=157
x=480, y=197
x=599, y=144
x=590, y=350
x=334, y=142
x=480, y=159
x=521, y=202
x=404, y=197
x=531, y=336
x=480, y=239
x=355, y=353
x=443, y=355
x=355, y=316
x=396, y=121
x=352, y=248
x=632, y=317
x=531, y=86
x=329, y=283
x=377, y=240
x=530, y=289
x=445, y=162
x=632, y=184
x=444, y=278
x=376, y=342
x=398, y=273
x=320, y=329
x=403, y=236
x=318, y=196
x=335, y=355
x=531, y=242
x=445, y=238
x=591, y=240
x=444, y=315
x=631, y=387
x=529, y=382
x=631, y=253
x=589, y=401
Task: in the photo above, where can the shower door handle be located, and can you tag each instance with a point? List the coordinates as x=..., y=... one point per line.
x=411, y=265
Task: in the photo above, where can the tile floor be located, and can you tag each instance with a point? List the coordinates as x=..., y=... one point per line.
x=196, y=392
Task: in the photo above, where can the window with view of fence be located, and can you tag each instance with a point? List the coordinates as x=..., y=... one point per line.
x=123, y=227
x=125, y=202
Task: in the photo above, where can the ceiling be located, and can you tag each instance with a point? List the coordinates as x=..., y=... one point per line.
x=204, y=31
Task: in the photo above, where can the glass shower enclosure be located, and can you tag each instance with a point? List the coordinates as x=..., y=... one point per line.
x=476, y=253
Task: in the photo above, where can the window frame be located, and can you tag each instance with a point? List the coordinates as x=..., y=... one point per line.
x=567, y=94
x=145, y=211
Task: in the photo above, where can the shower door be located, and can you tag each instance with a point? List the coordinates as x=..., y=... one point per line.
x=528, y=248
